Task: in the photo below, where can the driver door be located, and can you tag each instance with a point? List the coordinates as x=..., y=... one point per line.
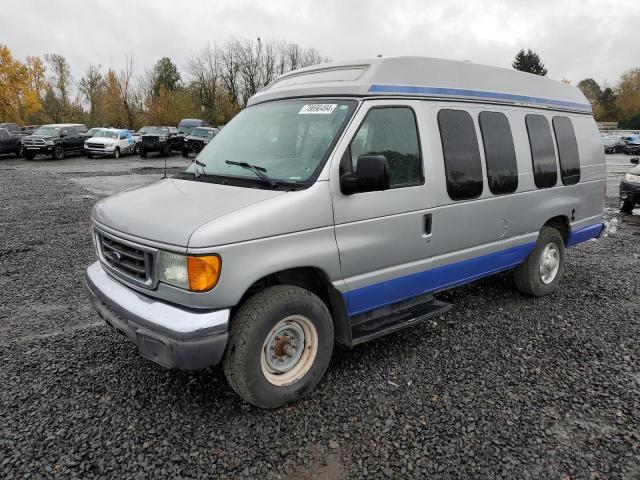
x=383, y=236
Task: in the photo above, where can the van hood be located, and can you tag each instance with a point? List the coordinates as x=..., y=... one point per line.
x=170, y=210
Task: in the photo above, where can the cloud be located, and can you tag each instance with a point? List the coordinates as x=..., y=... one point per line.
x=576, y=39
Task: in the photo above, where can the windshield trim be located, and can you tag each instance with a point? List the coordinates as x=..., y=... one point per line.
x=354, y=105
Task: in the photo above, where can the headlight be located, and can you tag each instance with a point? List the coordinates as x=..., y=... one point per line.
x=162, y=139
x=631, y=178
x=109, y=146
x=197, y=274
x=48, y=142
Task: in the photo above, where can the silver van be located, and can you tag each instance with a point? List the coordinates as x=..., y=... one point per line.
x=335, y=206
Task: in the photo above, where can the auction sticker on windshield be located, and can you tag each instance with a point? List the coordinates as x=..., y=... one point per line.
x=321, y=108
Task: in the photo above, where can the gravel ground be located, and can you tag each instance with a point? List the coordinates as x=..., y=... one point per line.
x=502, y=386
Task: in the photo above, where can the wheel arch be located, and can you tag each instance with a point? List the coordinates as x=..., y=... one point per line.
x=316, y=281
x=561, y=224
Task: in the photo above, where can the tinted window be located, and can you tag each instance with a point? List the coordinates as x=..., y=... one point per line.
x=461, y=154
x=499, y=152
x=567, y=150
x=391, y=132
x=543, y=156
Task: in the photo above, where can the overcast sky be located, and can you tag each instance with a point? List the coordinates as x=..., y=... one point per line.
x=575, y=38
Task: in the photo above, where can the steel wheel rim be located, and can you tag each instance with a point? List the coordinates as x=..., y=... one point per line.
x=289, y=350
x=549, y=263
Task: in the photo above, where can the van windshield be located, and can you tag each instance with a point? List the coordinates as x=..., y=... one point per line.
x=289, y=139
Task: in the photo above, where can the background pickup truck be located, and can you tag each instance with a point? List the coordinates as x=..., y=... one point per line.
x=55, y=140
x=10, y=144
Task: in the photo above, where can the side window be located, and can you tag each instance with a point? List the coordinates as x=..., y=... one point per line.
x=123, y=135
x=499, y=152
x=543, y=156
x=392, y=132
x=461, y=154
x=567, y=150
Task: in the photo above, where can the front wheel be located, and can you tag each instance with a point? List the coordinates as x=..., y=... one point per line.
x=20, y=151
x=185, y=153
x=58, y=153
x=143, y=153
x=540, y=273
x=279, y=347
x=29, y=156
x=116, y=153
x=628, y=206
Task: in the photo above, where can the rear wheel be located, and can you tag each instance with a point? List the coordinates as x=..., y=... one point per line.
x=20, y=151
x=628, y=206
x=540, y=273
x=279, y=347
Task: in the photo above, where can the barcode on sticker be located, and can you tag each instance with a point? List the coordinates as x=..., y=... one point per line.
x=321, y=108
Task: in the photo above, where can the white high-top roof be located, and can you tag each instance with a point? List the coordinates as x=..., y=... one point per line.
x=425, y=77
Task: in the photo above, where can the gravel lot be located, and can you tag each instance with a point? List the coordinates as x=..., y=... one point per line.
x=502, y=386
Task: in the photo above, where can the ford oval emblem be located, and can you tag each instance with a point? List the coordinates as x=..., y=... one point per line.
x=116, y=257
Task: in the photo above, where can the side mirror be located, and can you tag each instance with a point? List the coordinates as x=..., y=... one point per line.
x=635, y=161
x=372, y=174
x=62, y=134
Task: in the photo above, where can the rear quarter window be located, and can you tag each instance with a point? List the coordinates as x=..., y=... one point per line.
x=567, y=150
x=543, y=155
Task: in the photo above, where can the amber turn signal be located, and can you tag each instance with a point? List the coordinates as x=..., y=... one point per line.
x=203, y=272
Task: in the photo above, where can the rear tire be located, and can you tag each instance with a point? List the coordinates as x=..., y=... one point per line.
x=627, y=206
x=20, y=151
x=279, y=347
x=540, y=273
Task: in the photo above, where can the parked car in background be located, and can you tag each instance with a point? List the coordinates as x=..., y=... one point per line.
x=9, y=144
x=198, y=139
x=110, y=142
x=157, y=139
x=13, y=144
x=630, y=188
x=28, y=129
x=631, y=145
x=55, y=140
x=612, y=143
x=186, y=125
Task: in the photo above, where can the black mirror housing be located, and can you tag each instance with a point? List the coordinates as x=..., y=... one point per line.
x=635, y=161
x=372, y=175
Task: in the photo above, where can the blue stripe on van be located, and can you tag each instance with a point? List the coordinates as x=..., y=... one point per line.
x=476, y=94
x=439, y=278
x=585, y=233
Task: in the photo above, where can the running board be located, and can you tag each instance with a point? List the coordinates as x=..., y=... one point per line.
x=368, y=326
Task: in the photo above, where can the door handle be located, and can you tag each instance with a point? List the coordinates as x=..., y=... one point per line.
x=428, y=221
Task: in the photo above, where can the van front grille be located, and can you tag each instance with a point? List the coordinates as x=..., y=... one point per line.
x=126, y=259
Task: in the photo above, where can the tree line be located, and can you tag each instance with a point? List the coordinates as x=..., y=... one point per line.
x=215, y=84
x=620, y=103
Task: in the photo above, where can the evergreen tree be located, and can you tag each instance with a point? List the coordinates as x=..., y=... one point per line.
x=529, y=61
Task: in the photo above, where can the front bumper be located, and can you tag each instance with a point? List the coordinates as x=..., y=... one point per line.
x=98, y=151
x=174, y=337
x=39, y=150
x=631, y=149
x=630, y=191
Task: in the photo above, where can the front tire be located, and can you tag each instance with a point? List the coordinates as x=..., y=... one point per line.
x=58, y=153
x=29, y=156
x=280, y=344
x=540, y=273
x=143, y=153
x=628, y=206
x=116, y=153
x=185, y=153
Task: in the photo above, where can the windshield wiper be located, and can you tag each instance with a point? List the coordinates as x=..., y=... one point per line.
x=258, y=170
x=195, y=170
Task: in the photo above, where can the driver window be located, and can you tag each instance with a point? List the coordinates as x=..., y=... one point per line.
x=392, y=132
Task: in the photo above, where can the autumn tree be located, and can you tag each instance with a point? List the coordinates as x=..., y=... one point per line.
x=530, y=62
x=628, y=93
x=92, y=87
x=19, y=96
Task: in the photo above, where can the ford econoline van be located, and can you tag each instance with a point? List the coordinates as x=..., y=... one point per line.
x=333, y=208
